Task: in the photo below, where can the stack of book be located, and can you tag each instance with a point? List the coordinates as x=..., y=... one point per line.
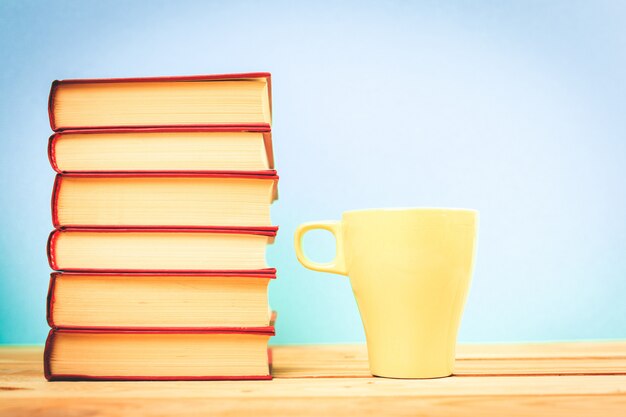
x=161, y=209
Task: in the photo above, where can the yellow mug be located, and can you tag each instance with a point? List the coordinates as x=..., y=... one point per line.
x=410, y=271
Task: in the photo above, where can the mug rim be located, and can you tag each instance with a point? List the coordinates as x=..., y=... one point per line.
x=441, y=210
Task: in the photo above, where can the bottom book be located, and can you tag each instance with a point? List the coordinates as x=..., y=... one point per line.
x=214, y=354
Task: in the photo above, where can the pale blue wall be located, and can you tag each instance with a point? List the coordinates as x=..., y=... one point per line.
x=513, y=108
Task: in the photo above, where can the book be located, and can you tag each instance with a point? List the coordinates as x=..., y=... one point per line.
x=88, y=354
x=164, y=199
x=152, y=301
x=219, y=100
x=161, y=149
x=161, y=208
x=159, y=249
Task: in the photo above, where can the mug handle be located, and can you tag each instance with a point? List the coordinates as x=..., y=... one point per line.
x=338, y=264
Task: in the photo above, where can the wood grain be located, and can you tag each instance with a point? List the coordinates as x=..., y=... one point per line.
x=515, y=380
x=573, y=358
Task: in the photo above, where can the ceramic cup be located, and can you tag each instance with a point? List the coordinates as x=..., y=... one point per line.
x=410, y=271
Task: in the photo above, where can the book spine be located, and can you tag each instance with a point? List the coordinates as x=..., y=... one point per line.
x=50, y=300
x=47, y=352
x=54, y=201
x=52, y=152
x=51, y=249
x=51, y=98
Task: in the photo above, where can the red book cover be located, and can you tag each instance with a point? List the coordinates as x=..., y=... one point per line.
x=267, y=137
x=269, y=273
x=50, y=346
x=51, y=245
x=58, y=183
x=214, y=77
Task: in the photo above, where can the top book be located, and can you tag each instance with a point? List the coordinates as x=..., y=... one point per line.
x=243, y=100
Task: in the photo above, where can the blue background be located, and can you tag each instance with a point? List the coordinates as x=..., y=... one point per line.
x=512, y=108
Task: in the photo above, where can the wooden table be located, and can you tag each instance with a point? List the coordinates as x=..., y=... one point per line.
x=557, y=379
